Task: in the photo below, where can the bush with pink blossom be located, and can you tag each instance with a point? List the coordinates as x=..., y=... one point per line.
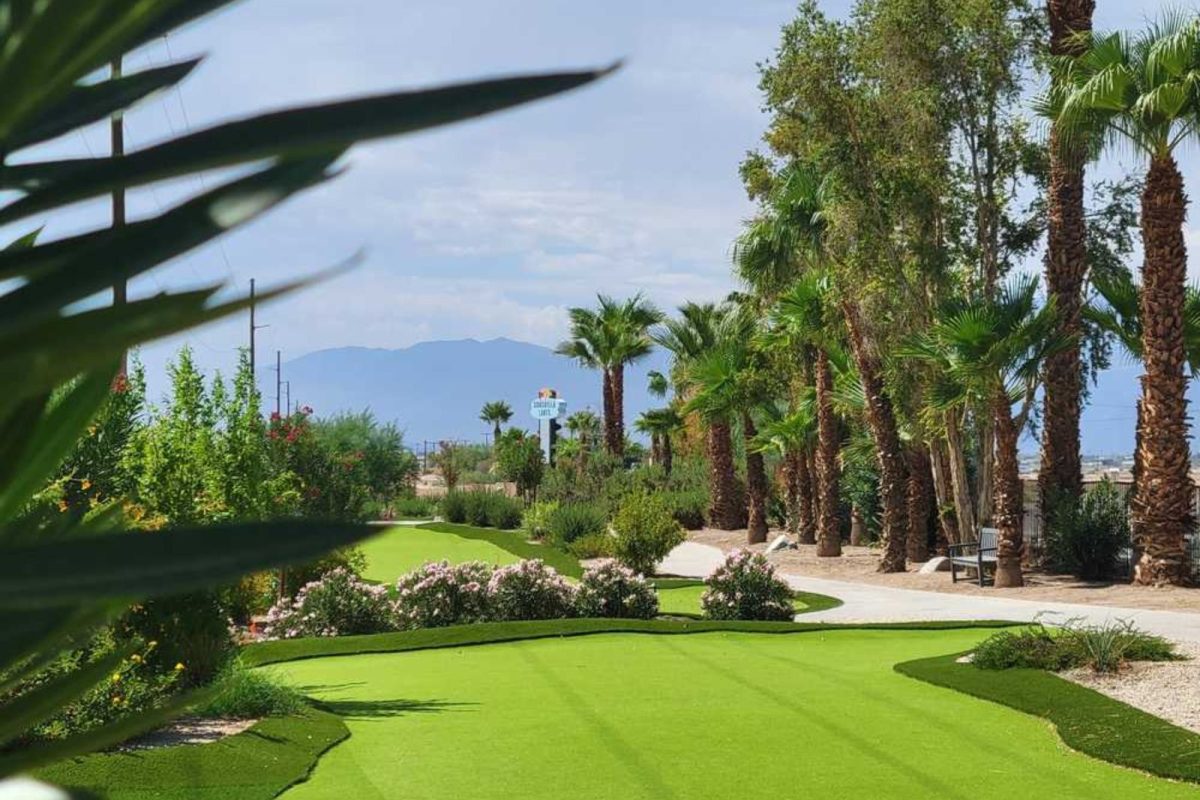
x=336, y=604
x=745, y=586
x=529, y=590
x=611, y=590
x=439, y=594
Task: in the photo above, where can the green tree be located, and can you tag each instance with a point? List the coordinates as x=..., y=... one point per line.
x=494, y=413
x=519, y=459
x=607, y=338
x=660, y=424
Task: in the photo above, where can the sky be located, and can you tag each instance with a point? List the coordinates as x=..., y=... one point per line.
x=488, y=228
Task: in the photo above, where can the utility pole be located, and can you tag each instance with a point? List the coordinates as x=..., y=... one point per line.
x=278, y=379
x=287, y=387
x=120, y=288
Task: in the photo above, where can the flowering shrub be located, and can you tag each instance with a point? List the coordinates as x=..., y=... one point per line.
x=338, y=604
x=611, y=590
x=745, y=587
x=439, y=594
x=529, y=590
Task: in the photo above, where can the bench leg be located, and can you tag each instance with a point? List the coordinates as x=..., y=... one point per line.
x=953, y=572
x=980, y=562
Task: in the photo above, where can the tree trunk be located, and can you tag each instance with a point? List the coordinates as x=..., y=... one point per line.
x=723, y=509
x=881, y=419
x=960, y=481
x=920, y=498
x=756, y=486
x=496, y=433
x=608, y=408
x=987, y=468
x=668, y=455
x=1162, y=507
x=1060, y=475
x=858, y=527
x=948, y=532
x=829, y=534
x=791, y=491
x=616, y=427
x=1009, y=512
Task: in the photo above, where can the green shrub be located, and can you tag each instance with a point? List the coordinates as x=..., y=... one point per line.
x=454, y=507
x=190, y=629
x=478, y=505
x=594, y=545
x=1104, y=648
x=573, y=521
x=1085, y=539
x=503, y=512
x=535, y=522
x=645, y=532
x=412, y=507
x=1034, y=647
x=242, y=693
x=687, y=507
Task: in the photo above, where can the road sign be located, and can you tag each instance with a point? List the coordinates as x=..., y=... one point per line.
x=548, y=408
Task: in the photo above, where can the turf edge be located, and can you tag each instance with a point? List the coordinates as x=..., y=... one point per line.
x=273, y=652
x=1087, y=721
x=512, y=541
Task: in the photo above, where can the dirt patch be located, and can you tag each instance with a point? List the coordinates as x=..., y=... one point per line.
x=1165, y=689
x=860, y=564
x=189, y=730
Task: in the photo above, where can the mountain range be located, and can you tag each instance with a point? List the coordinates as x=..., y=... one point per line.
x=434, y=390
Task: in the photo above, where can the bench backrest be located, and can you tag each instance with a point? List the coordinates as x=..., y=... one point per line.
x=987, y=537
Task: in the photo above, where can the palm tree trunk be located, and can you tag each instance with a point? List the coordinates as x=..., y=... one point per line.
x=1162, y=511
x=616, y=427
x=791, y=491
x=987, y=468
x=1009, y=512
x=723, y=509
x=920, y=491
x=1060, y=475
x=608, y=408
x=829, y=534
x=668, y=455
x=858, y=527
x=960, y=481
x=756, y=486
x=948, y=532
x=881, y=419
x=808, y=498
x=496, y=432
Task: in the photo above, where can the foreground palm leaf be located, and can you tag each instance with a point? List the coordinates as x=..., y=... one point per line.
x=57, y=582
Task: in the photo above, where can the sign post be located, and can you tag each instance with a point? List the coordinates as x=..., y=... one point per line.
x=547, y=408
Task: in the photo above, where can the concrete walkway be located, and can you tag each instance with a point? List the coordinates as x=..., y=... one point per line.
x=864, y=602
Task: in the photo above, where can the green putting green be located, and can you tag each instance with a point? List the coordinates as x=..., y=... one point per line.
x=707, y=715
x=403, y=549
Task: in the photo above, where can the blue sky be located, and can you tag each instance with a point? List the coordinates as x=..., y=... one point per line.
x=494, y=227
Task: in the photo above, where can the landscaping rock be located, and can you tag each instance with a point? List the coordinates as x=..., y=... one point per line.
x=781, y=543
x=935, y=564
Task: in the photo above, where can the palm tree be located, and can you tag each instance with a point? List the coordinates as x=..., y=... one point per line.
x=692, y=337
x=989, y=351
x=1141, y=90
x=657, y=383
x=607, y=338
x=793, y=438
x=496, y=412
x=1060, y=474
x=803, y=311
x=660, y=424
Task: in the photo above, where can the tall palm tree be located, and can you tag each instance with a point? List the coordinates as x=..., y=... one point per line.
x=1060, y=474
x=607, y=338
x=691, y=337
x=988, y=352
x=1142, y=90
x=660, y=424
x=496, y=412
x=793, y=437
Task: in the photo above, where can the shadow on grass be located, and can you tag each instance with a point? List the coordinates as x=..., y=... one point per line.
x=384, y=709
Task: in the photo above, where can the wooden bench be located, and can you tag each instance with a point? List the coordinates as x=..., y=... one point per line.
x=979, y=556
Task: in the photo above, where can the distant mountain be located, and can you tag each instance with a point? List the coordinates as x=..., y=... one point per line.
x=434, y=390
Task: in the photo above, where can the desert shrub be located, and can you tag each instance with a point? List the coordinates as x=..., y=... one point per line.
x=593, y=545
x=572, y=521
x=1085, y=538
x=252, y=595
x=1104, y=648
x=503, y=512
x=535, y=522
x=745, y=586
x=1033, y=647
x=190, y=629
x=612, y=590
x=646, y=531
x=687, y=507
x=478, y=508
x=242, y=693
x=412, y=507
x=529, y=590
x=338, y=604
x=439, y=594
x=454, y=507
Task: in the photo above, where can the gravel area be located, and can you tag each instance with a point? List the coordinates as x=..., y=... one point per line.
x=1167, y=689
x=859, y=564
x=189, y=730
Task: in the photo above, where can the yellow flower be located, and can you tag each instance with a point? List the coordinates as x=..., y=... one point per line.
x=86, y=484
x=179, y=667
x=116, y=676
x=135, y=658
x=62, y=505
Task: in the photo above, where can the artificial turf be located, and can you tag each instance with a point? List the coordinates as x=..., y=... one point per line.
x=715, y=715
x=681, y=597
x=402, y=549
x=1086, y=720
x=257, y=764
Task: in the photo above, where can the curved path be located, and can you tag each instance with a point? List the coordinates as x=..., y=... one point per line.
x=864, y=602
